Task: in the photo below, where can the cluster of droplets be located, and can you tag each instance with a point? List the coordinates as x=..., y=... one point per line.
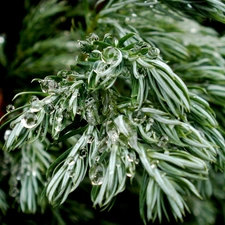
x=68, y=75
x=91, y=111
x=70, y=162
x=130, y=161
x=98, y=159
x=86, y=46
x=29, y=118
x=49, y=85
x=144, y=48
x=163, y=141
x=131, y=18
x=19, y=174
x=112, y=133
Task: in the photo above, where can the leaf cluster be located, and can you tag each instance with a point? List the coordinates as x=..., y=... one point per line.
x=124, y=111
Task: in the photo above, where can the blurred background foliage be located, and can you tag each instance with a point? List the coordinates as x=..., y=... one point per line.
x=39, y=38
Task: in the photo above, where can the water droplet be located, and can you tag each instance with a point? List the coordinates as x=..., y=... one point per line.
x=131, y=157
x=29, y=120
x=18, y=177
x=58, y=126
x=102, y=145
x=137, y=161
x=83, y=153
x=6, y=134
x=166, y=152
x=163, y=174
x=28, y=173
x=33, y=98
x=153, y=52
x=113, y=135
x=49, y=108
x=90, y=138
x=10, y=108
x=71, y=173
x=149, y=124
x=91, y=115
x=130, y=171
x=34, y=173
x=96, y=174
x=75, y=94
x=92, y=37
x=79, y=111
x=59, y=117
x=97, y=158
x=163, y=141
x=118, y=163
x=84, y=47
x=127, y=19
x=49, y=85
x=62, y=73
x=153, y=166
x=35, y=104
x=70, y=161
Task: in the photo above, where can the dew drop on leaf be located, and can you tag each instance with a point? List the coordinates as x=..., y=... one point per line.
x=153, y=52
x=49, y=85
x=96, y=174
x=29, y=120
x=10, y=108
x=35, y=104
x=49, y=108
x=6, y=134
x=153, y=166
x=130, y=171
x=70, y=161
x=131, y=157
x=82, y=153
x=163, y=141
x=90, y=138
x=92, y=37
x=62, y=73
